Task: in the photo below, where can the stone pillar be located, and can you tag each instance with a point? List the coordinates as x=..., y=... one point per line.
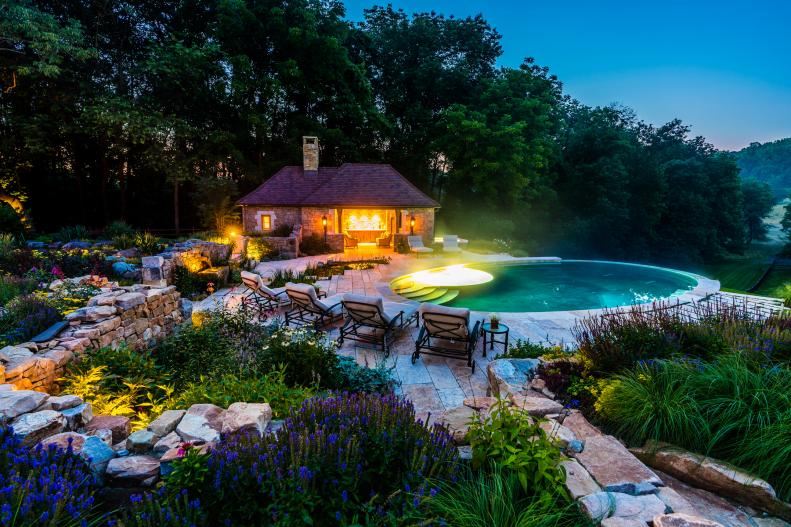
x=153, y=272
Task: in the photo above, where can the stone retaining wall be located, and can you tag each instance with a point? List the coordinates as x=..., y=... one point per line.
x=137, y=315
x=192, y=254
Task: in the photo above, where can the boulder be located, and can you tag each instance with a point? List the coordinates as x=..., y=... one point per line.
x=683, y=520
x=62, y=402
x=14, y=353
x=169, y=442
x=105, y=434
x=480, y=403
x=535, y=405
x=120, y=426
x=202, y=422
x=246, y=416
x=35, y=426
x=580, y=426
x=562, y=435
x=578, y=482
x=166, y=422
x=185, y=305
x=78, y=417
x=509, y=376
x=617, y=521
x=716, y=476
x=133, y=471
x=141, y=441
x=90, y=448
x=64, y=440
x=603, y=505
x=615, y=469
x=675, y=502
x=457, y=420
x=16, y=403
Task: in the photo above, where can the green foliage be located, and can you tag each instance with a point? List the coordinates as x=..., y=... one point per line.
x=70, y=296
x=214, y=198
x=757, y=203
x=147, y=243
x=13, y=286
x=117, y=229
x=189, y=470
x=189, y=284
x=283, y=276
x=161, y=509
x=313, y=245
x=11, y=222
x=308, y=355
x=769, y=163
x=72, y=233
x=509, y=438
x=122, y=365
x=495, y=497
x=260, y=249
x=524, y=349
x=734, y=408
x=25, y=317
x=356, y=378
x=283, y=230
x=227, y=389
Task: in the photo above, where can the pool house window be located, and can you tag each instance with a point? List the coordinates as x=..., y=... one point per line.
x=266, y=222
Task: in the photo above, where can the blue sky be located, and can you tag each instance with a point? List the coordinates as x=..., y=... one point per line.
x=723, y=67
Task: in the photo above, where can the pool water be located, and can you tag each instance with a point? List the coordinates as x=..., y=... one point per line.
x=571, y=285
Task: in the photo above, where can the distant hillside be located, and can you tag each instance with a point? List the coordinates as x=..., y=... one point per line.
x=770, y=162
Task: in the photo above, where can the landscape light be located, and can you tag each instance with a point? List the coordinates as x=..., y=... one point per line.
x=412, y=225
x=453, y=275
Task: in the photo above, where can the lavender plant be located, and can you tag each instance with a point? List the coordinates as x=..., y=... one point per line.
x=343, y=460
x=44, y=487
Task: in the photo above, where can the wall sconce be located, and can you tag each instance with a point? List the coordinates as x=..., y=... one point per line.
x=324, y=224
x=412, y=225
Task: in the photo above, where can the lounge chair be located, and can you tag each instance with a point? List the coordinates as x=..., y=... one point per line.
x=349, y=242
x=416, y=245
x=450, y=243
x=309, y=309
x=371, y=320
x=260, y=298
x=446, y=332
x=384, y=240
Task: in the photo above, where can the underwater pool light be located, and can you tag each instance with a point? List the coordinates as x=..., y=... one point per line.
x=451, y=276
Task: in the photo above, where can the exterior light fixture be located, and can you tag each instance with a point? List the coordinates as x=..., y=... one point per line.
x=412, y=225
x=324, y=224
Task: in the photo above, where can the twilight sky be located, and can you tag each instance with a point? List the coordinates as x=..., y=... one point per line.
x=722, y=67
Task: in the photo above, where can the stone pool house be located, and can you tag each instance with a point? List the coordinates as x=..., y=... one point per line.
x=357, y=203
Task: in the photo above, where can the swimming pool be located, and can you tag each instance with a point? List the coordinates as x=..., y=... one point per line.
x=567, y=285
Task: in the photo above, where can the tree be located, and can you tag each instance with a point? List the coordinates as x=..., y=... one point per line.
x=758, y=202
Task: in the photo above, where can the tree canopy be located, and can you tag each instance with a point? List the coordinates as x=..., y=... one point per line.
x=770, y=163
x=148, y=110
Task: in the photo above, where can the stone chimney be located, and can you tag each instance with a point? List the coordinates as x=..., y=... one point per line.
x=310, y=154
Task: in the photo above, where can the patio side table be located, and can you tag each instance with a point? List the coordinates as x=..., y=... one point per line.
x=501, y=329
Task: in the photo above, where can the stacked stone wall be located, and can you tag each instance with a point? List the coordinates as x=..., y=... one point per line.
x=137, y=315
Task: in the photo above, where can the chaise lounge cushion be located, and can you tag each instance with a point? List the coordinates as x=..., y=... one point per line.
x=416, y=245
x=449, y=322
x=450, y=243
x=330, y=305
x=361, y=307
x=255, y=282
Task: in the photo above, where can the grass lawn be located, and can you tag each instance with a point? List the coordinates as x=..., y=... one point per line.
x=775, y=282
x=740, y=272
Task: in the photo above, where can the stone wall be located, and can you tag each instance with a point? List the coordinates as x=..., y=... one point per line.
x=280, y=216
x=424, y=224
x=137, y=315
x=193, y=254
x=311, y=221
x=118, y=456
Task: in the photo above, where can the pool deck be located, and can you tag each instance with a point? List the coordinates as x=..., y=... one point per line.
x=435, y=384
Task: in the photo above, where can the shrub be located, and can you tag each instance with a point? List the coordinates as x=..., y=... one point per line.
x=14, y=286
x=495, y=497
x=189, y=284
x=283, y=230
x=509, y=438
x=45, y=487
x=560, y=374
x=122, y=365
x=124, y=241
x=283, y=276
x=336, y=461
x=225, y=390
x=524, y=349
x=118, y=228
x=260, y=249
x=11, y=222
x=356, y=378
x=72, y=233
x=313, y=245
x=308, y=355
x=147, y=243
x=24, y=318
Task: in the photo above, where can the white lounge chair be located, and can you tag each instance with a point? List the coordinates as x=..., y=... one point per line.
x=446, y=332
x=308, y=309
x=450, y=243
x=259, y=297
x=417, y=247
x=374, y=321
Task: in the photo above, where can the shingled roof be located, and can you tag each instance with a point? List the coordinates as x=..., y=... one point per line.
x=349, y=185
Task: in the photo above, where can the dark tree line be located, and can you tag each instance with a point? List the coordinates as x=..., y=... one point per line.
x=146, y=110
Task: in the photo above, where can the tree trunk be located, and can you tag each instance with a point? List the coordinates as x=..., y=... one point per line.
x=176, y=204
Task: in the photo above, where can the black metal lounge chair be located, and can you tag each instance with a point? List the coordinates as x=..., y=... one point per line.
x=308, y=309
x=446, y=332
x=373, y=321
x=259, y=298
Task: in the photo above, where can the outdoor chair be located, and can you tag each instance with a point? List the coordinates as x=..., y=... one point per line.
x=309, y=309
x=373, y=321
x=258, y=297
x=349, y=242
x=446, y=332
x=450, y=243
x=384, y=240
x=417, y=247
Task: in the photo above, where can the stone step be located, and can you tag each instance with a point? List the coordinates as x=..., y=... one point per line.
x=616, y=469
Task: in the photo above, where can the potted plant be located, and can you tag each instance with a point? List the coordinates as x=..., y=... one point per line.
x=494, y=320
